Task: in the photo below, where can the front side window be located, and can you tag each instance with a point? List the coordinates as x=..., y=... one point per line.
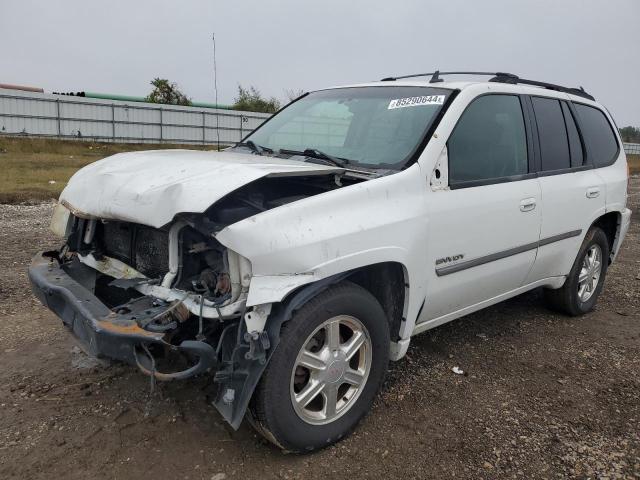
x=552, y=134
x=379, y=127
x=596, y=130
x=489, y=141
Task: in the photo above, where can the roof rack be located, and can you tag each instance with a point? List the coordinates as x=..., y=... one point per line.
x=499, y=77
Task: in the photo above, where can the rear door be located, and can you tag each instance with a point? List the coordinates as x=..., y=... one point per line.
x=573, y=194
x=483, y=230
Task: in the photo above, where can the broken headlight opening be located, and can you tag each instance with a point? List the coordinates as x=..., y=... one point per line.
x=177, y=283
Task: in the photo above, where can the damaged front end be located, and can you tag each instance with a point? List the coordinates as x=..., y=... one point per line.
x=171, y=301
x=154, y=287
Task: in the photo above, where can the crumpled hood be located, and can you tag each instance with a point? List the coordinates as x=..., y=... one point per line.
x=151, y=187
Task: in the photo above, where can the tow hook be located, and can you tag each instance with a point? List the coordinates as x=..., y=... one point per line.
x=206, y=359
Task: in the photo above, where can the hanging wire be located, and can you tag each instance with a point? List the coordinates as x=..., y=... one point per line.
x=152, y=377
x=200, y=336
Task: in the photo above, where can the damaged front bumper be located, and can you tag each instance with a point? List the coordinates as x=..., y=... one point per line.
x=103, y=332
x=128, y=334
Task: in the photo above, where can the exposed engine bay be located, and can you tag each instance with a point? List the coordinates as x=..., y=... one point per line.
x=183, y=260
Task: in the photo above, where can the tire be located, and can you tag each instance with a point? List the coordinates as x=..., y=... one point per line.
x=274, y=411
x=568, y=299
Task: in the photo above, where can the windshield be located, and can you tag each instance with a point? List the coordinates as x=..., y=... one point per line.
x=378, y=127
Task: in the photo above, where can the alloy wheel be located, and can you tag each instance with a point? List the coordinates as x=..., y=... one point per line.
x=590, y=273
x=331, y=370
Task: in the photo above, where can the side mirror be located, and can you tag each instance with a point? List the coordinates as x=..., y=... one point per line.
x=440, y=175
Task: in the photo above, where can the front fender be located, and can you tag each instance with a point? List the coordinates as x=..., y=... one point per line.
x=274, y=288
x=376, y=221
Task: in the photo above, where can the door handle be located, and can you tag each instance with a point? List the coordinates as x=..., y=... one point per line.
x=593, y=192
x=527, y=204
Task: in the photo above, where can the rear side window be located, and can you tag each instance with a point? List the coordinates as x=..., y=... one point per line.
x=596, y=130
x=554, y=144
x=489, y=140
x=575, y=145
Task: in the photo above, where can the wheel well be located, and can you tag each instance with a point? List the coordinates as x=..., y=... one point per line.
x=387, y=282
x=609, y=223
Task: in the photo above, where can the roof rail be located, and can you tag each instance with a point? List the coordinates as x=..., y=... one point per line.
x=499, y=77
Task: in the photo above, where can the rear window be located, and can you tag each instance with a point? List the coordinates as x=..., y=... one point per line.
x=598, y=135
x=554, y=144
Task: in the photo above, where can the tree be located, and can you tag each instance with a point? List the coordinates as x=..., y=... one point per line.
x=630, y=134
x=251, y=100
x=293, y=93
x=167, y=92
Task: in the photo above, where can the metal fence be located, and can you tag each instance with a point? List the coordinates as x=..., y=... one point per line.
x=27, y=113
x=39, y=114
x=631, y=148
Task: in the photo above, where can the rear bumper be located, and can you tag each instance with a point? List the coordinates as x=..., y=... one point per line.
x=101, y=332
x=625, y=222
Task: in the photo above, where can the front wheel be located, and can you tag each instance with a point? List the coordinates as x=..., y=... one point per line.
x=580, y=291
x=323, y=377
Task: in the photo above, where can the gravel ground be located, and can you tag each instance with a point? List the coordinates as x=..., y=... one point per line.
x=543, y=395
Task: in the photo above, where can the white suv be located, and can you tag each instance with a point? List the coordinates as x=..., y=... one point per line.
x=294, y=265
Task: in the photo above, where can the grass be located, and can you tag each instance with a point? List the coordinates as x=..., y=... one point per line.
x=35, y=169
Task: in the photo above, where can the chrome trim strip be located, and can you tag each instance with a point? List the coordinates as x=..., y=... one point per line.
x=449, y=269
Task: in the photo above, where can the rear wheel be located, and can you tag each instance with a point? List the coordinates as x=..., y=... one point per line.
x=580, y=291
x=325, y=373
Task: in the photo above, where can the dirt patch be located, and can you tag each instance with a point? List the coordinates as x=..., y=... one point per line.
x=542, y=395
x=634, y=163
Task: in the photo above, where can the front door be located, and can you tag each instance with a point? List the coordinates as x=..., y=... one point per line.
x=483, y=231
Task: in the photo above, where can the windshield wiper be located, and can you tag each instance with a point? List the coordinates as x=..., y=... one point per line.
x=319, y=154
x=254, y=147
x=314, y=152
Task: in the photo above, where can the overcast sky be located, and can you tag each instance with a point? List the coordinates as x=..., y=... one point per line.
x=118, y=46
